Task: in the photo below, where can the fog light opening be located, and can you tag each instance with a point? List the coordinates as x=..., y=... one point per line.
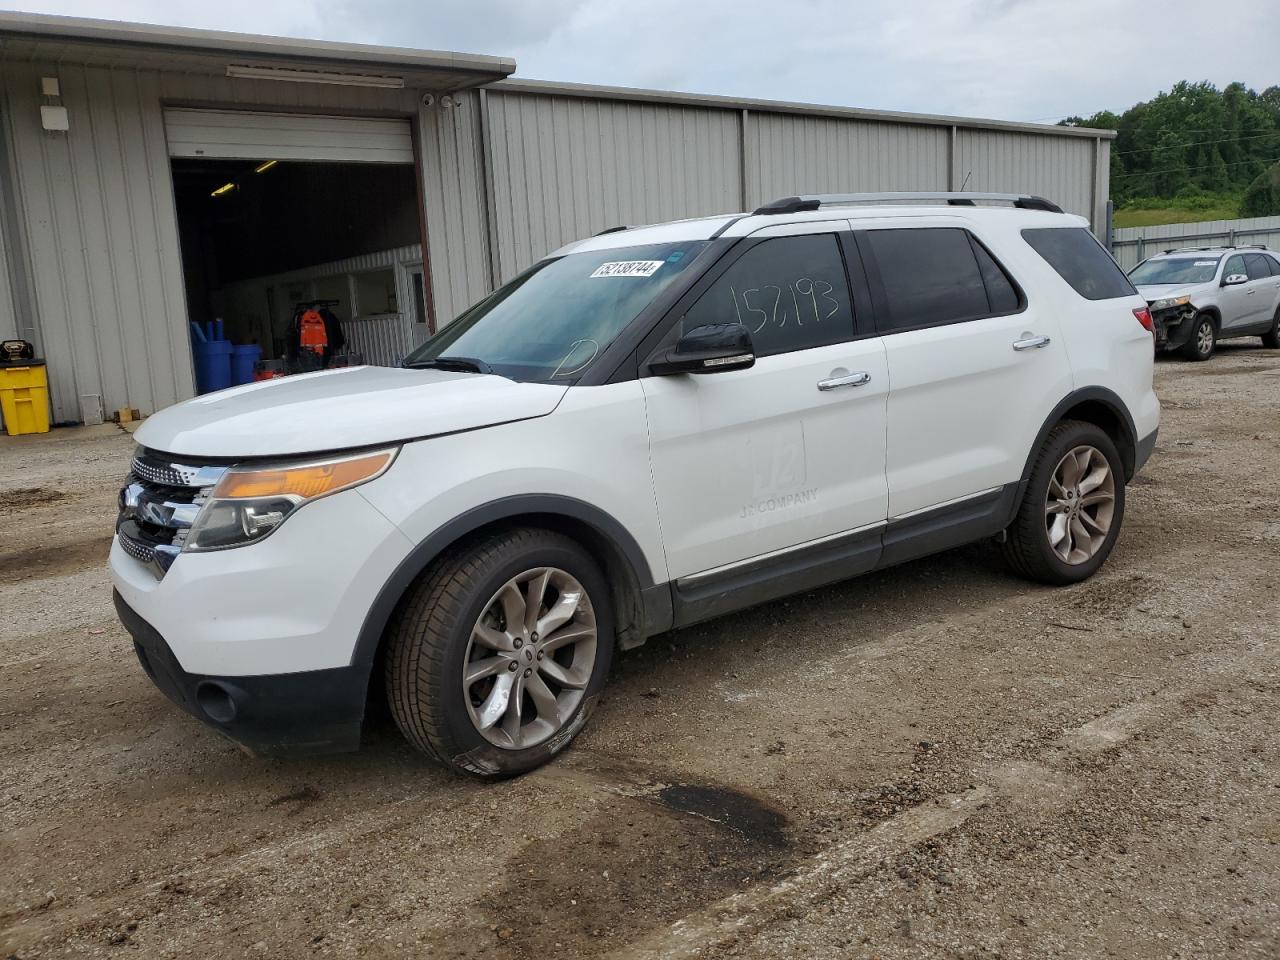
x=216, y=702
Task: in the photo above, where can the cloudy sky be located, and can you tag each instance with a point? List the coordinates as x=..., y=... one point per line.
x=1010, y=59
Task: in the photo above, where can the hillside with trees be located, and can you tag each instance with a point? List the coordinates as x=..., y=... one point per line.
x=1194, y=153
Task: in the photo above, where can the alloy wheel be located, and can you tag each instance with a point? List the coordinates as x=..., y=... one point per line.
x=529, y=658
x=1080, y=504
x=1204, y=338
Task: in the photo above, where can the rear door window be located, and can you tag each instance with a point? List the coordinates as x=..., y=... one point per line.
x=932, y=276
x=1080, y=260
x=1256, y=266
x=1001, y=292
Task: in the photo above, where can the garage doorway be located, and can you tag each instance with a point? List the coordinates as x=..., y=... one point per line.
x=280, y=211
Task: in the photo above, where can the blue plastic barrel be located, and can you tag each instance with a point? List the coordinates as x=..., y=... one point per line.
x=243, y=357
x=213, y=365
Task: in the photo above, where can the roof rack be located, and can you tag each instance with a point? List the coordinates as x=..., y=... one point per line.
x=617, y=229
x=815, y=201
x=1218, y=246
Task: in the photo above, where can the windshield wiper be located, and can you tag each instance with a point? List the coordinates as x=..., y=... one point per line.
x=467, y=364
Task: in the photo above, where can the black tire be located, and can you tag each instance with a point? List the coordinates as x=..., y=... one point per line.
x=1026, y=547
x=1201, y=345
x=430, y=634
x=1271, y=339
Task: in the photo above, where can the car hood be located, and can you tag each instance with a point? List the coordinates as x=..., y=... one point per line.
x=1159, y=291
x=338, y=409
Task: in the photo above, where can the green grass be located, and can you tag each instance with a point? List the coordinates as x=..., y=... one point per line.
x=1151, y=218
x=1146, y=212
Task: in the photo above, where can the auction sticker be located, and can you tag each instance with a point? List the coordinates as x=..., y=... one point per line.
x=627, y=268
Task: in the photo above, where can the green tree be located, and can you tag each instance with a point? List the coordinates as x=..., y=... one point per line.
x=1191, y=140
x=1262, y=197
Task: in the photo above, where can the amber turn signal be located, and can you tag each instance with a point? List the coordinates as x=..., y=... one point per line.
x=304, y=480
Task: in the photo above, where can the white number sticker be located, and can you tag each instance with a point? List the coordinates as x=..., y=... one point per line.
x=1206, y=263
x=628, y=268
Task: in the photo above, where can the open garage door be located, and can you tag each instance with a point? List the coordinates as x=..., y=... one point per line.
x=282, y=215
x=240, y=135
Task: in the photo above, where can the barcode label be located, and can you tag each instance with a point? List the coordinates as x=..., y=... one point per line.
x=627, y=268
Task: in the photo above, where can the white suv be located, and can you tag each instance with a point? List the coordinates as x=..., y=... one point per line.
x=646, y=429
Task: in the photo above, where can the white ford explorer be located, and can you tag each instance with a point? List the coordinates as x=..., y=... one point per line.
x=646, y=429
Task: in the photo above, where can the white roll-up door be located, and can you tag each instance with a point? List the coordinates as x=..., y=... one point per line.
x=241, y=135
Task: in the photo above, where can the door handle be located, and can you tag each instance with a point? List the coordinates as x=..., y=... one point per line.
x=849, y=380
x=1031, y=343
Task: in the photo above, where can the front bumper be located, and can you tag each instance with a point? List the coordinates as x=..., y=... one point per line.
x=316, y=711
x=1173, y=327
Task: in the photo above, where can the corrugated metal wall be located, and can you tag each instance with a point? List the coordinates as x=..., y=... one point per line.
x=1131, y=245
x=1059, y=168
x=564, y=168
x=507, y=175
x=564, y=165
x=99, y=226
x=790, y=154
x=452, y=161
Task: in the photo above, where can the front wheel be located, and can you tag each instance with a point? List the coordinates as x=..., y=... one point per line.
x=1204, y=337
x=1072, y=508
x=499, y=652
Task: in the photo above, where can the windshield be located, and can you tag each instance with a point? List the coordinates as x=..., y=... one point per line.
x=553, y=321
x=1176, y=270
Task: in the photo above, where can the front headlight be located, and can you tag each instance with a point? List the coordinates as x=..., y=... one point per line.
x=1169, y=303
x=249, y=503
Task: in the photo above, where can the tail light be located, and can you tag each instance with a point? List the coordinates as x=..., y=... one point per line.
x=1143, y=315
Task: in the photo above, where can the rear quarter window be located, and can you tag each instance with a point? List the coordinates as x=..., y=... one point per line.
x=1080, y=260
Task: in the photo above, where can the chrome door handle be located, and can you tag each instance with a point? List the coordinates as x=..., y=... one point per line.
x=849, y=380
x=1031, y=343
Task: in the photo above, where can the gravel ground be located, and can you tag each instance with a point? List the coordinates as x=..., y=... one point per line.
x=935, y=761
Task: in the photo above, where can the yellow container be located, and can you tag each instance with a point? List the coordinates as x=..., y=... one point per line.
x=24, y=398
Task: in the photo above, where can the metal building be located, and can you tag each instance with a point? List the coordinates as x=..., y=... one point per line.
x=101, y=122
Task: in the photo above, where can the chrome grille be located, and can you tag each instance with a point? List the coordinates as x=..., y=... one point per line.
x=158, y=504
x=138, y=550
x=150, y=467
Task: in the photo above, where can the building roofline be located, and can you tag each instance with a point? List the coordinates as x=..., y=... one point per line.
x=593, y=91
x=184, y=39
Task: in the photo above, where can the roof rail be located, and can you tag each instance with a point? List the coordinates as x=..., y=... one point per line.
x=1219, y=246
x=617, y=229
x=815, y=201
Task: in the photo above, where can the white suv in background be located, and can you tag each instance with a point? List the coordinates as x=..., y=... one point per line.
x=646, y=429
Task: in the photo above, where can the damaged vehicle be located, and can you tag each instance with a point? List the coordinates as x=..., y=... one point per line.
x=1201, y=295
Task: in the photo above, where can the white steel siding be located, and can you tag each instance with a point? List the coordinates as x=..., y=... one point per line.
x=790, y=154
x=453, y=194
x=1132, y=245
x=245, y=135
x=96, y=211
x=568, y=167
x=1056, y=168
x=506, y=176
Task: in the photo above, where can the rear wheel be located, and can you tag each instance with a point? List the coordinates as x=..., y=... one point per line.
x=1072, y=509
x=500, y=651
x=1204, y=337
x=1271, y=338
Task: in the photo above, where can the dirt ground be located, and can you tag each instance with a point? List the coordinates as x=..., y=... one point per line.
x=935, y=761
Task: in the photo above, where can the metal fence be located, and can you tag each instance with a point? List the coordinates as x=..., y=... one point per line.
x=1132, y=245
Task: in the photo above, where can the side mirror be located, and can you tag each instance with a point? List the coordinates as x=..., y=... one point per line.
x=711, y=348
x=1234, y=278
